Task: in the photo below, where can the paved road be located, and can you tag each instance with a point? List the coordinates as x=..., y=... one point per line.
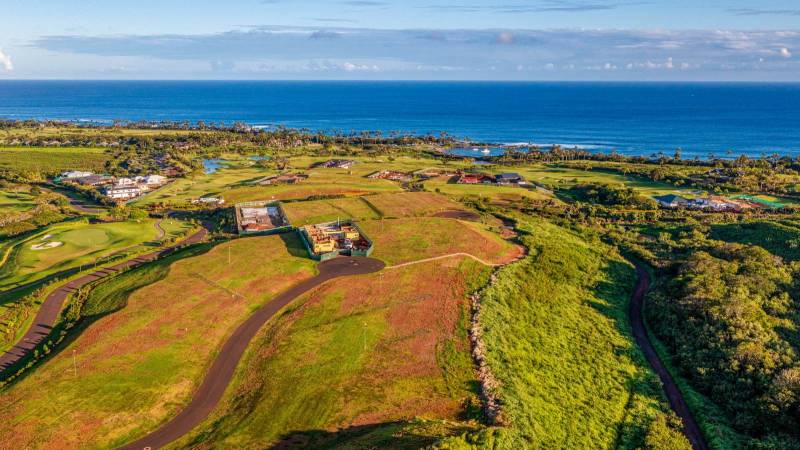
x=52, y=305
x=676, y=401
x=222, y=370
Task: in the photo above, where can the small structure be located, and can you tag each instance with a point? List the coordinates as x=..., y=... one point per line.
x=286, y=178
x=122, y=192
x=261, y=217
x=94, y=180
x=73, y=174
x=509, y=178
x=208, y=201
x=150, y=180
x=391, y=175
x=476, y=178
x=328, y=240
x=671, y=201
x=337, y=164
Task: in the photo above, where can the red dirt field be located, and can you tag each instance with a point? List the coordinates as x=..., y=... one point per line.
x=409, y=358
x=140, y=365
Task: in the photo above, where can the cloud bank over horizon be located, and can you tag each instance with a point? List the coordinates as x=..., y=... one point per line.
x=5, y=62
x=332, y=52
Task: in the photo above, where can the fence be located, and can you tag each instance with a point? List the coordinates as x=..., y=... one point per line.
x=330, y=255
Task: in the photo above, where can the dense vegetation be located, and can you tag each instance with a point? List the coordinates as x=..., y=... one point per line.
x=558, y=342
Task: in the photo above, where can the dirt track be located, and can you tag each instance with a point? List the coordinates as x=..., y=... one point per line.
x=222, y=369
x=459, y=214
x=52, y=305
x=676, y=401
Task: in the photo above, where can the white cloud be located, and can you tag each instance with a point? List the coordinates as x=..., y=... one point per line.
x=5, y=62
x=785, y=52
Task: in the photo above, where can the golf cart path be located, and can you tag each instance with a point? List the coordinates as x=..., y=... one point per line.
x=219, y=376
x=636, y=315
x=51, y=307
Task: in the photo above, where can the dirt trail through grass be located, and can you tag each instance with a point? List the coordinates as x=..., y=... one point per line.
x=674, y=395
x=51, y=308
x=222, y=369
x=451, y=255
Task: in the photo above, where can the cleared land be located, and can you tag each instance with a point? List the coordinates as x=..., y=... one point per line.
x=372, y=352
x=37, y=162
x=400, y=241
x=319, y=211
x=403, y=204
x=138, y=366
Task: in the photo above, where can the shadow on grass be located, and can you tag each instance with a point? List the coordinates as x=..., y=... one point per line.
x=294, y=245
x=394, y=435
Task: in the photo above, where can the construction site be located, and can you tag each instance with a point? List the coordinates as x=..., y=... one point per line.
x=341, y=238
x=261, y=217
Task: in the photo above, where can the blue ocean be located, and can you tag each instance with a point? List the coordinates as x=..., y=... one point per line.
x=702, y=119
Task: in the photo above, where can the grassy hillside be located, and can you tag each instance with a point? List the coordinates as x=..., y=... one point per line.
x=36, y=163
x=356, y=364
x=138, y=366
x=558, y=340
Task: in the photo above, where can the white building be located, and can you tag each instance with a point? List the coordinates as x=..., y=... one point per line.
x=75, y=174
x=151, y=180
x=125, y=182
x=122, y=192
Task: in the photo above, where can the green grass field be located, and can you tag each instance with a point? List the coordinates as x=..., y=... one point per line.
x=567, y=177
x=559, y=342
x=399, y=241
x=36, y=162
x=16, y=202
x=138, y=366
x=371, y=354
x=78, y=243
x=234, y=181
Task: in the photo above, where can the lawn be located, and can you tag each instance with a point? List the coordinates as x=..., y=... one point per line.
x=235, y=184
x=38, y=162
x=369, y=354
x=559, y=342
x=403, y=240
x=74, y=243
x=138, y=366
x=567, y=177
x=319, y=211
x=499, y=194
x=16, y=201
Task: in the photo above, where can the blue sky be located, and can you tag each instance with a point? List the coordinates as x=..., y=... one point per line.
x=414, y=39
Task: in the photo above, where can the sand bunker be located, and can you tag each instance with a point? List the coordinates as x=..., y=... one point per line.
x=46, y=245
x=46, y=237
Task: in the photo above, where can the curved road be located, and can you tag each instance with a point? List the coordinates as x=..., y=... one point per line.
x=222, y=370
x=52, y=305
x=676, y=401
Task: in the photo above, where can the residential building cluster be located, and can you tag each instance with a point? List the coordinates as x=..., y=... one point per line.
x=284, y=178
x=115, y=188
x=341, y=237
x=483, y=178
x=713, y=202
x=336, y=164
x=392, y=175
